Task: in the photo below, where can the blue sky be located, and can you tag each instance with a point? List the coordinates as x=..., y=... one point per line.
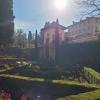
x=32, y=14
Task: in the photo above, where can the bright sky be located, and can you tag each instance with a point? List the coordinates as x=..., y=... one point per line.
x=32, y=14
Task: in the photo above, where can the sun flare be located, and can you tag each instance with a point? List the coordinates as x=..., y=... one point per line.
x=61, y=4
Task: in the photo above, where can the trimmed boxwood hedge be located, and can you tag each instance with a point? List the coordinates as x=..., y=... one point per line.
x=92, y=76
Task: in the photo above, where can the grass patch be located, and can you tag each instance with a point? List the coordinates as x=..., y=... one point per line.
x=10, y=58
x=21, y=77
x=94, y=95
x=76, y=83
x=64, y=82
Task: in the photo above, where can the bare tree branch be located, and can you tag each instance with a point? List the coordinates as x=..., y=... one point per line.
x=92, y=7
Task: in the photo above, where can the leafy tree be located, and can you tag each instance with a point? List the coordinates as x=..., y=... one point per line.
x=20, y=39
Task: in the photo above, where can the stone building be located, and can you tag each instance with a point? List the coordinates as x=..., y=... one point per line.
x=52, y=35
x=85, y=28
x=6, y=22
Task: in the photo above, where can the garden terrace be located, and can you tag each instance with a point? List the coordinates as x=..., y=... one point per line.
x=48, y=88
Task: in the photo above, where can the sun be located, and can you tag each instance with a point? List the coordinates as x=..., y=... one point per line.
x=61, y=4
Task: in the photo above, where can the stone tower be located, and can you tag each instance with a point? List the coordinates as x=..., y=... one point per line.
x=52, y=35
x=6, y=22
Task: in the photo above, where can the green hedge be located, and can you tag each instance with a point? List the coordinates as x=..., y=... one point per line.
x=95, y=95
x=63, y=82
x=92, y=76
x=86, y=53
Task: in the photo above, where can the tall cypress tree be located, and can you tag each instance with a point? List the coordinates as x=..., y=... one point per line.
x=30, y=38
x=57, y=45
x=36, y=45
x=6, y=23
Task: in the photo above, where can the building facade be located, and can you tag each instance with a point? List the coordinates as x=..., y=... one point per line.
x=52, y=35
x=89, y=26
x=6, y=22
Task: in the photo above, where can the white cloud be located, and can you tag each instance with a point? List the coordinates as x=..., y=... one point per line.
x=25, y=25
